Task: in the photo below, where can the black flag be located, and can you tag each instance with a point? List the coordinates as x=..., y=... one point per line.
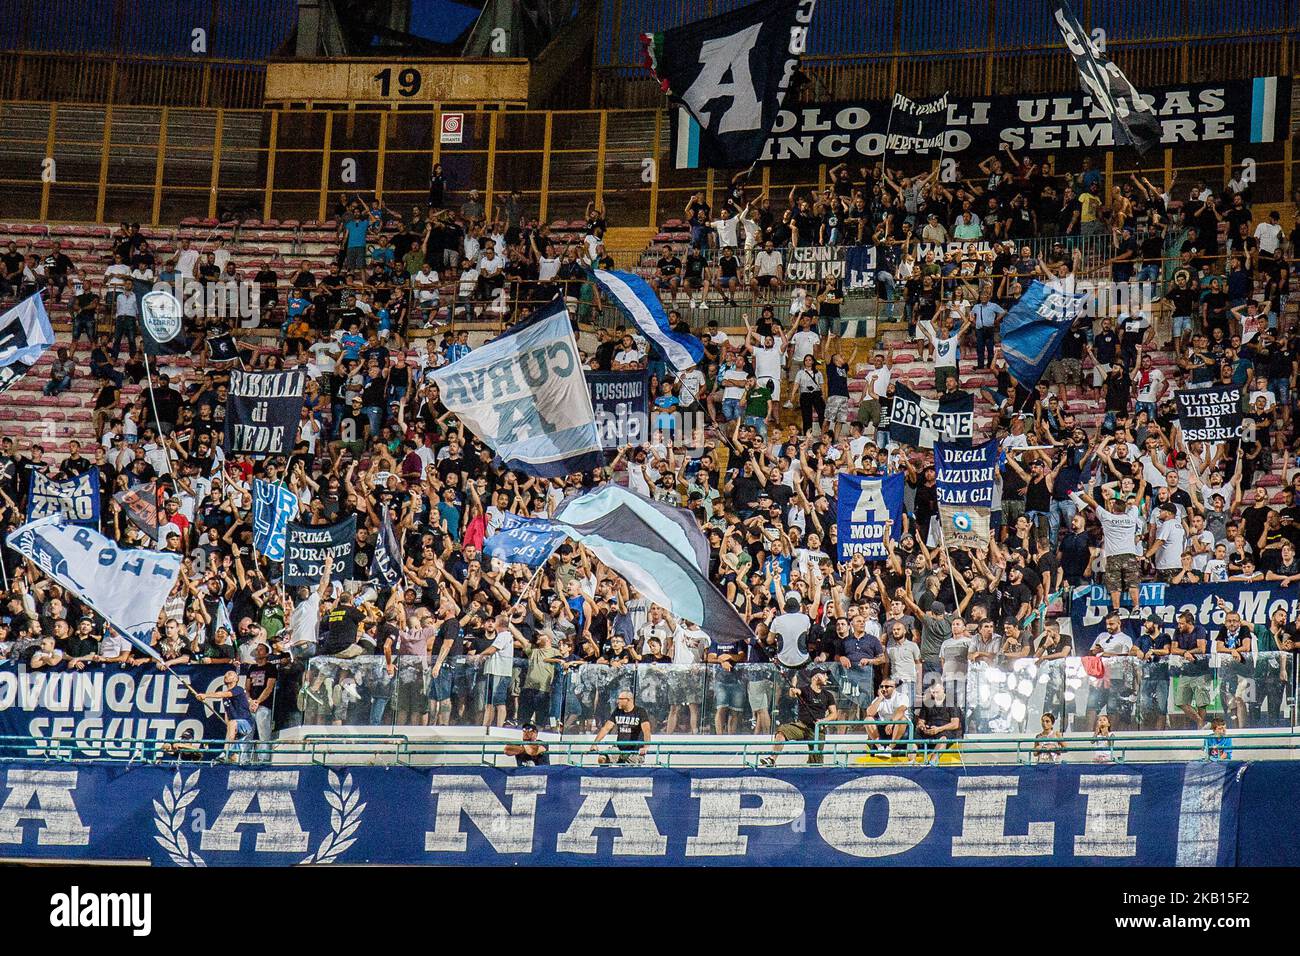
x=731, y=73
x=388, y=554
x=262, y=412
x=917, y=125
x=1132, y=118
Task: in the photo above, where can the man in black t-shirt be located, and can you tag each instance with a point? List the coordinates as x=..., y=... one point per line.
x=341, y=634
x=632, y=727
x=530, y=752
x=814, y=703
x=937, y=722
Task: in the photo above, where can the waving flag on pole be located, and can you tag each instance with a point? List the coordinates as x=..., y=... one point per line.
x=125, y=586
x=638, y=302
x=524, y=395
x=274, y=506
x=1131, y=117
x=730, y=73
x=1032, y=332
x=388, y=554
x=25, y=334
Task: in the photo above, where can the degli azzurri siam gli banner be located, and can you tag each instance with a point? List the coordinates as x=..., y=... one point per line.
x=1167, y=814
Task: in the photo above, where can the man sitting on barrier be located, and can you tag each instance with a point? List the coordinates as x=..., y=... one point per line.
x=238, y=716
x=937, y=723
x=632, y=726
x=890, y=707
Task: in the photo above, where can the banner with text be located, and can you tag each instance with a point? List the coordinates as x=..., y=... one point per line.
x=622, y=407
x=262, y=412
x=863, y=507
x=965, y=490
x=77, y=499
x=1209, y=414
x=920, y=422
x=306, y=547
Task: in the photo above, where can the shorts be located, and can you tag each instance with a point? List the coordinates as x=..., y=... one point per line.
x=795, y=731
x=869, y=412
x=729, y=694
x=1011, y=510
x=1182, y=325
x=759, y=693
x=837, y=407
x=1193, y=690
x=410, y=695
x=1122, y=572
x=498, y=688
x=440, y=686
x=764, y=281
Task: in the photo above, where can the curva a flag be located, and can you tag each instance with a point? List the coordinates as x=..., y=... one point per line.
x=1131, y=117
x=730, y=73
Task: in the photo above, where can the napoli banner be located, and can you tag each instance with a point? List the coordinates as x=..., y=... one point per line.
x=307, y=546
x=1209, y=414
x=860, y=267
x=77, y=499
x=865, y=504
x=274, y=506
x=523, y=540
x=964, y=483
x=1253, y=110
x=1032, y=332
x=622, y=407
x=110, y=711
x=25, y=335
x=262, y=412
x=920, y=422
x=1118, y=815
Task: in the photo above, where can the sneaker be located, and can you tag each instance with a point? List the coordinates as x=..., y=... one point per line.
x=788, y=404
x=768, y=761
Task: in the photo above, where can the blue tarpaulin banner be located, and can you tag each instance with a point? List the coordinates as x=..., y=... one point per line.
x=523, y=540
x=109, y=704
x=864, y=504
x=1131, y=815
x=1032, y=332
x=621, y=403
x=77, y=499
x=274, y=506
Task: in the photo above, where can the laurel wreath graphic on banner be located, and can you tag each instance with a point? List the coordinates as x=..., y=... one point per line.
x=169, y=818
x=345, y=816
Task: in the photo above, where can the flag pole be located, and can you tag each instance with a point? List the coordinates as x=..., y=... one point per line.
x=157, y=422
x=952, y=571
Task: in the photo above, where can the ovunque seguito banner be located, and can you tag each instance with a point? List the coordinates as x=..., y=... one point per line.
x=1247, y=111
x=112, y=704
x=1129, y=815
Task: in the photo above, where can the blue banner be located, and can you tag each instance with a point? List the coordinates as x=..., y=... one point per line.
x=523, y=540
x=860, y=267
x=107, y=703
x=274, y=506
x=1070, y=815
x=1254, y=601
x=864, y=505
x=77, y=499
x=965, y=490
x=621, y=403
x=1032, y=332
x=638, y=302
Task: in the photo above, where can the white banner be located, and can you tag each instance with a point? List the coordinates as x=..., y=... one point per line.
x=126, y=586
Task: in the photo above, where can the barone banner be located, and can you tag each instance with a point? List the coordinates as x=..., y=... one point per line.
x=964, y=484
x=77, y=499
x=1242, y=111
x=920, y=422
x=622, y=407
x=262, y=412
x=1209, y=414
x=1069, y=815
x=307, y=545
x=107, y=703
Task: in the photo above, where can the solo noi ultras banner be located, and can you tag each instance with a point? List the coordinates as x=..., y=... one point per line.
x=262, y=412
x=1233, y=111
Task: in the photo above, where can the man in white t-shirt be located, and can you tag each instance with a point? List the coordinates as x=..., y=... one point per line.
x=792, y=628
x=186, y=260
x=628, y=358
x=1166, y=551
x=689, y=385
x=728, y=230
x=425, y=284
x=1120, y=526
x=804, y=342
x=498, y=664
x=769, y=357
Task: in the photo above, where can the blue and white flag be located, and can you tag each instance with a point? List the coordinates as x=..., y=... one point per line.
x=965, y=491
x=638, y=302
x=274, y=506
x=523, y=540
x=387, y=561
x=863, y=506
x=1032, y=332
x=524, y=395
x=77, y=499
x=860, y=267
x=125, y=586
x=25, y=334
x=223, y=620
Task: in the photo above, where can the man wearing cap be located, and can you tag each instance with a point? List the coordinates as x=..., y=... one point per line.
x=814, y=703
x=529, y=752
x=1120, y=525
x=1168, y=541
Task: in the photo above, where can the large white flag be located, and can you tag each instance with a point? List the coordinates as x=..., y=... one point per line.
x=126, y=586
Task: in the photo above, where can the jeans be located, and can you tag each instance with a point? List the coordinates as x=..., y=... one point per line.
x=885, y=290
x=243, y=734
x=760, y=424
x=57, y=385
x=375, y=415
x=984, y=347
x=262, y=718
x=84, y=324
x=731, y=409
x=1060, y=515
x=354, y=258
x=1148, y=273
